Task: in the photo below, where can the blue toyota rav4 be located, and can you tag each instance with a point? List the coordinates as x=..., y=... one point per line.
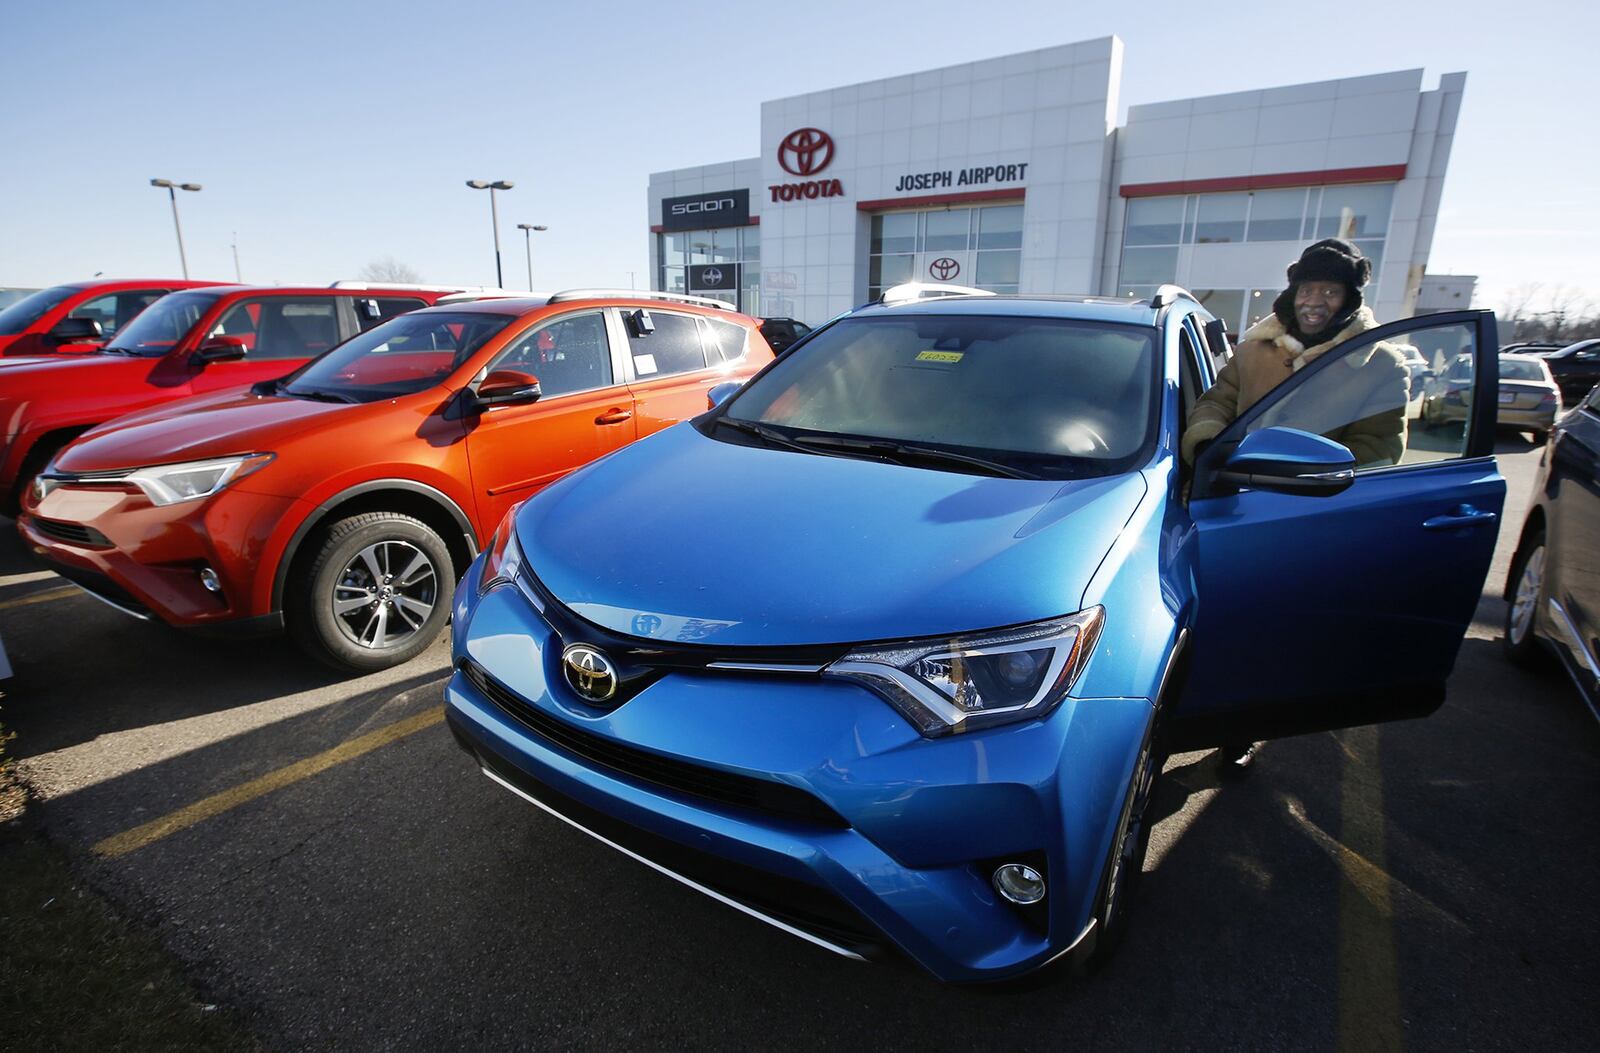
x=886, y=649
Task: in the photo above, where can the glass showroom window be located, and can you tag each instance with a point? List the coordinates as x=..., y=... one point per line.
x=1152, y=229
x=987, y=242
x=724, y=245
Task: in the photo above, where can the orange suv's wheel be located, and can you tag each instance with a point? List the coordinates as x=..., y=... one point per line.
x=376, y=592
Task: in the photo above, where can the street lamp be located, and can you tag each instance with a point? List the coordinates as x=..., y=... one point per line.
x=527, y=243
x=172, y=193
x=494, y=217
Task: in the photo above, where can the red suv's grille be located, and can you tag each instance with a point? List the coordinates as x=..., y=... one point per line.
x=72, y=533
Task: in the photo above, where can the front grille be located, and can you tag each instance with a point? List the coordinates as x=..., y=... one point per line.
x=801, y=904
x=72, y=533
x=737, y=791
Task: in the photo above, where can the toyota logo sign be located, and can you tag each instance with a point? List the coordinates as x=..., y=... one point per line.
x=805, y=151
x=944, y=268
x=589, y=673
x=711, y=276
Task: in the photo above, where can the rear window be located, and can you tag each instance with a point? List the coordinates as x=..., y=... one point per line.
x=1521, y=369
x=724, y=338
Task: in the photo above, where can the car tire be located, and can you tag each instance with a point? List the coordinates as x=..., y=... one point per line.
x=1521, y=640
x=1119, y=875
x=366, y=570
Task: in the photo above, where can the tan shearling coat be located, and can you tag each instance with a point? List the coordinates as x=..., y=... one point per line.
x=1364, y=409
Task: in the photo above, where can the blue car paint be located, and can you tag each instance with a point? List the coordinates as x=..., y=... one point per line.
x=920, y=810
x=923, y=553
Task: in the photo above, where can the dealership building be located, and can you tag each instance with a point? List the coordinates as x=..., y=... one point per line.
x=1012, y=174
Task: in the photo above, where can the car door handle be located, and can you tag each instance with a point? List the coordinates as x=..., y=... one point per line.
x=1460, y=516
x=614, y=416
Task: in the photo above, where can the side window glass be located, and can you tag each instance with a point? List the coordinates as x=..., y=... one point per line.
x=1188, y=374
x=102, y=309
x=568, y=354
x=672, y=346
x=1373, y=401
x=376, y=310
x=283, y=326
x=724, y=338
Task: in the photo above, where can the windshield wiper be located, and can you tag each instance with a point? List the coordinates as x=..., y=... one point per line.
x=762, y=432
x=315, y=394
x=910, y=452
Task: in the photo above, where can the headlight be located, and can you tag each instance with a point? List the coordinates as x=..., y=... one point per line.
x=960, y=684
x=502, y=561
x=168, y=484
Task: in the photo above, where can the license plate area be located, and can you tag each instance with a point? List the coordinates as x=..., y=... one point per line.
x=1507, y=397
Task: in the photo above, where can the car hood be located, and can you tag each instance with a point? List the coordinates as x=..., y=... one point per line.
x=214, y=425
x=682, y=537
x=19, y=365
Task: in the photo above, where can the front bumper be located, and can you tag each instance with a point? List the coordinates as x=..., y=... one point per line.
x=146, y=559
x=920, y=824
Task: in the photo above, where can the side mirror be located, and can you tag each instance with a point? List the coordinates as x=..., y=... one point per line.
x=721, y=393
x=221, y=349
x=75, y=331
x=505, y=387
x=1290, y=461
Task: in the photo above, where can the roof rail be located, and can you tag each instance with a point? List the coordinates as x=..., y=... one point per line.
x=1167, y=293
x=640, y=294
x=909, y=292
x=356, y=284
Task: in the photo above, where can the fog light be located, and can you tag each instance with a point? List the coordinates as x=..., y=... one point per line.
x=1019, y=883
x=209, y=579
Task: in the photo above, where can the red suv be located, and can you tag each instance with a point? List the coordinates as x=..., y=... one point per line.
x=184, y=344
x=347, y=498
x=64, y=317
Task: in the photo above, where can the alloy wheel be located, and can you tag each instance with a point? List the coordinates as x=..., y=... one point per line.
x=1526, y=603
x=385, y=594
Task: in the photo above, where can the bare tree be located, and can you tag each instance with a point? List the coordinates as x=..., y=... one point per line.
x=389, y=269
x=1559, y=314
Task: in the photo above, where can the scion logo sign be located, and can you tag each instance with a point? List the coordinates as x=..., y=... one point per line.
x=713, y=277
x=725, y=208
x=805, y=152
x=944, y=268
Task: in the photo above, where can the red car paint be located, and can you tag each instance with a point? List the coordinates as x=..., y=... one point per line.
x=25, y=325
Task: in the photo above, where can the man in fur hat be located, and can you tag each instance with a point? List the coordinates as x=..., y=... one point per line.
x=1321, y=309
x=1359, y=401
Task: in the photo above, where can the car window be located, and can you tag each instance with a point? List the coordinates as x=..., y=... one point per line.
x=404, y=355
x=672, y=346
x=164, y=323
x=17, y=317
x=724, y=338
x=567, y=354
x=1521, y=369
x=1365, y=400
x=283, y=326
x=115, y=310
x=375, y=310
x=1056, y=397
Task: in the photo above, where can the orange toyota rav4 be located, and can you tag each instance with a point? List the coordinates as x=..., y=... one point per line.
x=345, y=499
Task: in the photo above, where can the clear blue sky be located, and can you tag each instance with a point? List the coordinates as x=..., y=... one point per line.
x=330, y=134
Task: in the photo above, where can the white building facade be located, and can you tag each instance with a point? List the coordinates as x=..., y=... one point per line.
x=1011, y=174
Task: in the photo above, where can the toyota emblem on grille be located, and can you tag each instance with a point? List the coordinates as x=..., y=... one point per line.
x=589, y=672
x=944, y=268
x=805, y=151
x=711, y=276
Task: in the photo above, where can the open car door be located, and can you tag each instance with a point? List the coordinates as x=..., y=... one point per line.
x=1335, y=591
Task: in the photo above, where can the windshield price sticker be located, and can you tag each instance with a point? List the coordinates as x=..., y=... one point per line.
x=644, y=364
x=939, y=356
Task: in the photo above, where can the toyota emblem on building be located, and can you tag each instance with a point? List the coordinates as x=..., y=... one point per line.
x=944, y=268
x=805, y=151
x=711, y=276
x=589, y=672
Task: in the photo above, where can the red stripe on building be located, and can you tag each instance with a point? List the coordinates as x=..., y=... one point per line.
x=755, y=221
x=972, y=196
x=1275, y=181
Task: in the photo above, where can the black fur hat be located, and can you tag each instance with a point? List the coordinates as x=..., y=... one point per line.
x=1328, y=260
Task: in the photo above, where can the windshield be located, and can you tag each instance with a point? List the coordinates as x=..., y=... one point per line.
x=160, y=327
x=407, y=354
x=1051, y=397
x=30, y=309
x=1521, y=369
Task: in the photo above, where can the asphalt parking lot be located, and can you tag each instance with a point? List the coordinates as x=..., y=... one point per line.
x=326, y=861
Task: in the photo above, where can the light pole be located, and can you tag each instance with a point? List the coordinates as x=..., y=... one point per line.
x=527, y=243
x=172, y=193
x=494, y=217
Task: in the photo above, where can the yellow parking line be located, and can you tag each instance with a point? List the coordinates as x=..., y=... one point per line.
x=129, y=840
x=41, y=597
x=1369, y=986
